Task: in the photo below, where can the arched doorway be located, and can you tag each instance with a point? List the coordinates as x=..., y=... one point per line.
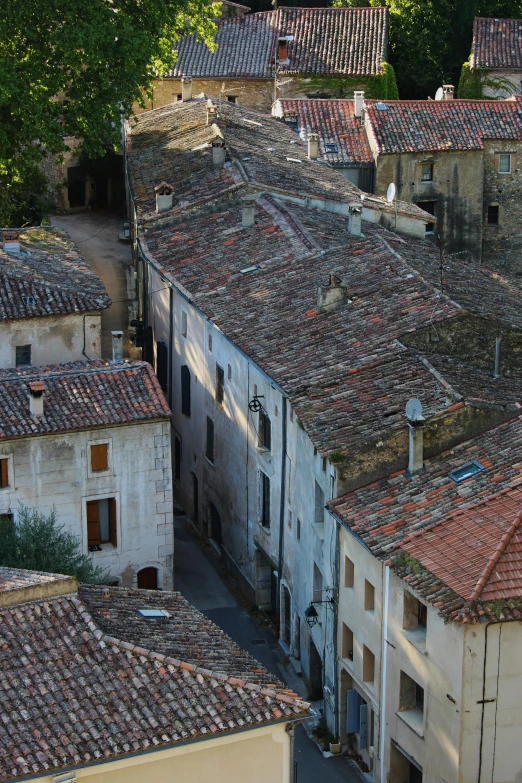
x=215, y=524
x=148, y=579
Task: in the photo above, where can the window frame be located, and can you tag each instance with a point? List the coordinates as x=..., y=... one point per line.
x=210, y=440
x=23, y=348
x=4, y=472
x=497, y=215
x=349, y=573
x=220, y=385
x=425, y=166
x=186, y=380
x=507, y=155
x=184, y=324
x=95, y=448
x=264, y=500
x=264, y=431
x=93, y=536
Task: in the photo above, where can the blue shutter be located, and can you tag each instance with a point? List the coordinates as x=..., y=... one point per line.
x=352, y=711
x=363, y=727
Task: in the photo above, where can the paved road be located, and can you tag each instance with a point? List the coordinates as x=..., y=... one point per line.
x=96, y=234
x=196, y=577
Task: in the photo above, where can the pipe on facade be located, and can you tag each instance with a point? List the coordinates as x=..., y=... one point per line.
x=281, y=510
x=384, y=662
x=494, y=622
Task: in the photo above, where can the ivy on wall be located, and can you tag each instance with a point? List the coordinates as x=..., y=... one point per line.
x=473, y=82
x=382, y=86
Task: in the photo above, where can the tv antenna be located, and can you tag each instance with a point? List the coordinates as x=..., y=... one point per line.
x=439, y=95
x=390, y=198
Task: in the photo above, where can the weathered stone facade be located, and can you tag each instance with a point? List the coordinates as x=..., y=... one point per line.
x=252, y=93
x=502, y=242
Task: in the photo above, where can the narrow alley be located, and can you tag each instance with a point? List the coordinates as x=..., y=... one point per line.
x=197, y=578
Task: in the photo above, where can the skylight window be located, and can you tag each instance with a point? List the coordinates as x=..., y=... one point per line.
x=330, y=148
x=381, y=106
x=153, y=614
x=466, y=471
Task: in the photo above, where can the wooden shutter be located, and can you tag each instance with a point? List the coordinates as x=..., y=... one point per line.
x=113, y=538
x=353, y=715
x=4, y=475
x=93, y=523
x=99, y=457
x=162, y=365
x=185, y=390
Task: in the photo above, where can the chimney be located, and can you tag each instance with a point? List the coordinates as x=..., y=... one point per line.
x=164, y=196
x=358, y=103
x=36, y=403
x=248, y=213
x=186, y=88
x=282, y=49
x=354, y=219
x=117, y=346
x=11, y=242
x=218, y=152
x=448, y=92
x=211, y=113
x=331, y=295
x=313, y=146
x=416, y=442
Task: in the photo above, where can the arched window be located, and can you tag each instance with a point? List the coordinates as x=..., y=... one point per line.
x=185, y=390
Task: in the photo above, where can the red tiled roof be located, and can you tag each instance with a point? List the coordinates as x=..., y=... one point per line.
x=416, y=126
x=49, y=277
x=72, y=695
x=12, y=579
x=497, y=43
x=335, y=123
x=79, y=395
x=326, y=41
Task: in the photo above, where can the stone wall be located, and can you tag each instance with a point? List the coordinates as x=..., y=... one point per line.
x=502, y=243
x=253, y=93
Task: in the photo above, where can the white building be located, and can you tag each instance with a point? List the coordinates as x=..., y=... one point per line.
x=273, y=315
x=92, y=440
x=50, y=300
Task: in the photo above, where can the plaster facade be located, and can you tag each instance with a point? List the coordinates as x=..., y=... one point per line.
x=53, y=339
x=506, y=82
x=54, y=471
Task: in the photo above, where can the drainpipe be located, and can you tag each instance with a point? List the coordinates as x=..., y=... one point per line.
x=494, y=622
x=382, y=723
x=171, y=345
x=337, y=726
x=281, y=511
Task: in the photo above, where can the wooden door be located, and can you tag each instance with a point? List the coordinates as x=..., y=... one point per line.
x=148, y=579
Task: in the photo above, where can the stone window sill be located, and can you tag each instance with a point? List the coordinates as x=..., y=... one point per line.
x=319, y=530
x=417, y=637
x=414, y=719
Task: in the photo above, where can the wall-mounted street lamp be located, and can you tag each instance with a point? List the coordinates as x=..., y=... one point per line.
x=310, y=612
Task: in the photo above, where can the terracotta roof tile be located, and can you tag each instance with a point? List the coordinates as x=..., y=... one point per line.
x=497, y=43
x=49, y=277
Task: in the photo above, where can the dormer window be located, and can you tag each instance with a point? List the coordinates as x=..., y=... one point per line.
x=164, y=196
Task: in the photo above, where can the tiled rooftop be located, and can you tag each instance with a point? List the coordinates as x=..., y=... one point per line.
x=335, y=122
x=474, y=555
x=325, y=41
x=18, y=579
x=172, y=144
x=186, y=634
x=49, y=277
x=416, y=126
x=80, y=395
x=497, y=43
x=73, y=695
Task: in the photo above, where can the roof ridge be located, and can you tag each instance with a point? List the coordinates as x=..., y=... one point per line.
x=88, y=369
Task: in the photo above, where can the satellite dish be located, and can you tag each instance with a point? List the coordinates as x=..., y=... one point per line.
x=390, y=193
x=414, y=409
x=439, y=95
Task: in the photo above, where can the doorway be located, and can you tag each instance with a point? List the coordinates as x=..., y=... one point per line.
x=75, y=186
x=316, y=673
x=148, y=579
x=215, y=524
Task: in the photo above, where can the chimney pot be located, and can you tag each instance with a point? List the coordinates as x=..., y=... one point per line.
x=211, y=113
x=282, y=50
x=164, y=197
x=248, y=213
x=313, y=146
x=36, y=402
x=331, y=295
x=117, y=346
x=354, y=219
x=358, y=102
x=186, y=88
x=448, y=91
x=11, y=242
x=218, y=152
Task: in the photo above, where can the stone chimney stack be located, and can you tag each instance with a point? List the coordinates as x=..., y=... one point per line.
x=164, y=197
x=313, y=146
x=358, y=103
x=36, y=400
x=448, y=92
x=248, y=213
x=416, y=447
x=11, y=242
x=186, y=88
x=117, y=346
x=354, y=219
x=332, y=295
x=218, y=152
x=282, y=49
x=211, y=113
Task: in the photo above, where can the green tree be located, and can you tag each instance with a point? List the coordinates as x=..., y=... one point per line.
x=72, y=67
x=38, y=543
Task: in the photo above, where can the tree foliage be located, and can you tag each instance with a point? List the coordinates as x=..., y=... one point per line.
x=38, y=543
x=382, y=85
x=72, y=67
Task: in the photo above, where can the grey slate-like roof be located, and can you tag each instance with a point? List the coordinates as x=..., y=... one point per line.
x=497, y=43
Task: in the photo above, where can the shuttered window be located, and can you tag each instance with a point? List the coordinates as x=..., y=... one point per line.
x=210, y=440
x=265, y=499
x=220, y=384
x=185, y=390
x=101, y=522
x=100, y=457
x=4, y=473
x=265, y=431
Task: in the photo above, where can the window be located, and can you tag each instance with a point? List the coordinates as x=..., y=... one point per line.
x=330, y=147
x=466, y=471
x=4, y=473
x=184, y=323
x=347, y=643
x=428, y=206
x=23, y=355
x=220, y=384
x=415, y=613
x=427, y=172
x=177, y=459
x=298, y=528
x=317, y=583
x=162, y=364
x=232, y=98
x=264, y=431
x=210, y=343
x=492, y=217
x=265, y=499
x=101, y=522
x=180, y=96
x=324, y=464
x=504, y=164
x=369, y=596
x=185, y=390
x=349, y=572
x=319, y=505
x=411, y=695
x=100, y=457
x=368, y=665
x=209, y=453
x=229, y=372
